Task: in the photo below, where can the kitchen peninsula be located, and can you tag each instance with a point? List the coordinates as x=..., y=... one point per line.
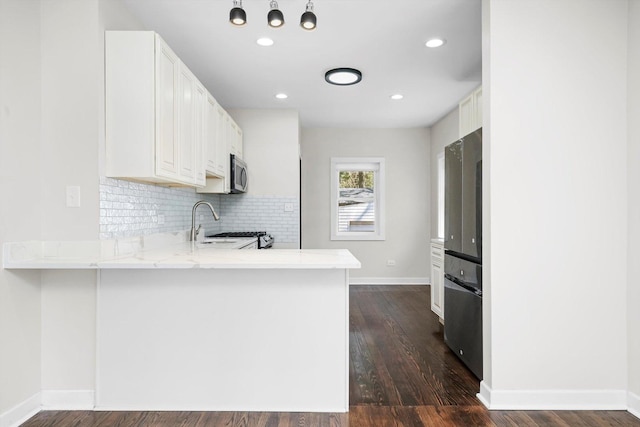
x=186, y=326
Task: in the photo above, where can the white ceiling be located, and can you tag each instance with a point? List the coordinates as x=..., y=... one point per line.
x=383, y=39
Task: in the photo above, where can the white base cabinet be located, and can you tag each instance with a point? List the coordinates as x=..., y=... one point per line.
x=437, y=278
x=223, y=339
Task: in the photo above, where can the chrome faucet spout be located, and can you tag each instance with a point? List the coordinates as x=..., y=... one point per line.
x=194, y=230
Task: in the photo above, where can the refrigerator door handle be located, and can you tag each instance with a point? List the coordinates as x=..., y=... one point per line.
x=463, y=284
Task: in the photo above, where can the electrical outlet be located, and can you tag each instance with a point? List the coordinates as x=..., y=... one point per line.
x=391, y=263
x=73, y=196
x=288, y=207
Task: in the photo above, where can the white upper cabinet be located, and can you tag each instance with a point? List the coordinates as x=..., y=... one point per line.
x=229, y=141
x=200, y=129
x=161, y=123
x=470, y=109
x=166, y=73
x=215, y=142
x=234, y=138
x=186, y=124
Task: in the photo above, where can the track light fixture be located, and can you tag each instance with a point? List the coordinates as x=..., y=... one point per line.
x=308, y=19
x=275, y=18
x=237, y=16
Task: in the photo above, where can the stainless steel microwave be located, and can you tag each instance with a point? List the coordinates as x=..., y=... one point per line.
x=238, y=175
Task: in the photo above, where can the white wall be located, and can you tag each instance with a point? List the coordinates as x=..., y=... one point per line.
x=21, y=207
x=633, y=161
x=271, y=148
x=557, y=243
x=72, y=146
x=70, y=95
x=407, y=198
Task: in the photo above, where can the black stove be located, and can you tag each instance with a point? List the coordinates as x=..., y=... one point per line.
x=265, y=240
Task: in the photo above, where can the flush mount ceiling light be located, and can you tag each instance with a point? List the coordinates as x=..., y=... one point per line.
x=237, y=16
x=275, y=18
x=343, y=76
x=435, y=42
x=308, y=19
x=265, y=41
x=282, y=96
x=397, y=96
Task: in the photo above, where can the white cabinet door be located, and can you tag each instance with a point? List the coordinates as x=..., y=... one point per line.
x=167, y=64
x=437, y=288
x=220, y=183
x=478, y=108
x=238, y=142
x=222, y=151
x=215, y=140
x=470, y=111
x=232, y=135
x=201, y=132
x=186, y=124
x=465, y=109
x=437, y=279
x=210, y=136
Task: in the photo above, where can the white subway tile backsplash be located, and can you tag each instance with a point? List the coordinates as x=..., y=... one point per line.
x=129, y=209
x=244, y=212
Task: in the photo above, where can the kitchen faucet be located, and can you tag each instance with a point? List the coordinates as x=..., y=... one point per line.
x=194, y=231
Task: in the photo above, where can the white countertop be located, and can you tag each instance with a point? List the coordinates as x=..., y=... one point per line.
x=165, y=251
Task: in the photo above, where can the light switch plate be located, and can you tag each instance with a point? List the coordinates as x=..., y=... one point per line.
x=73, y=196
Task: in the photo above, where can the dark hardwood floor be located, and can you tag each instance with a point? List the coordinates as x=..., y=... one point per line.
x=401, y=374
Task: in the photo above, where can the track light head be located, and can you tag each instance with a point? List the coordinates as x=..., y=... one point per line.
x=237, y=16
x=275, y=18
x=308, y=19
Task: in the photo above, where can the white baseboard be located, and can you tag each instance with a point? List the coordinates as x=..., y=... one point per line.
x=485, y=394
x=21, y=412
x=552, y=399
x=389, y=280
x=633, y=404
x=68, y=399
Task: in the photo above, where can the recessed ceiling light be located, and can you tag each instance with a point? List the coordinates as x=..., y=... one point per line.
x=343, y=76
x=282, y=96
x=265, y=41
x=435, y=42
x=397, y=96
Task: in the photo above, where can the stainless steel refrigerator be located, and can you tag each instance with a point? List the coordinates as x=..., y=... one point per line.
x=463, y=250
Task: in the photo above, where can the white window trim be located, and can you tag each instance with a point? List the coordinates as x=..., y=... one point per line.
x=376, y=164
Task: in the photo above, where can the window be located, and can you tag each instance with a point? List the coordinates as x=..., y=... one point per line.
x=357, y=198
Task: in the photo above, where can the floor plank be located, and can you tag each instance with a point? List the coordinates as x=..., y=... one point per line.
x=401, y=375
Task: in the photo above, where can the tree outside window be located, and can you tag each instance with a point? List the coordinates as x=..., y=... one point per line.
x=357, y=199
